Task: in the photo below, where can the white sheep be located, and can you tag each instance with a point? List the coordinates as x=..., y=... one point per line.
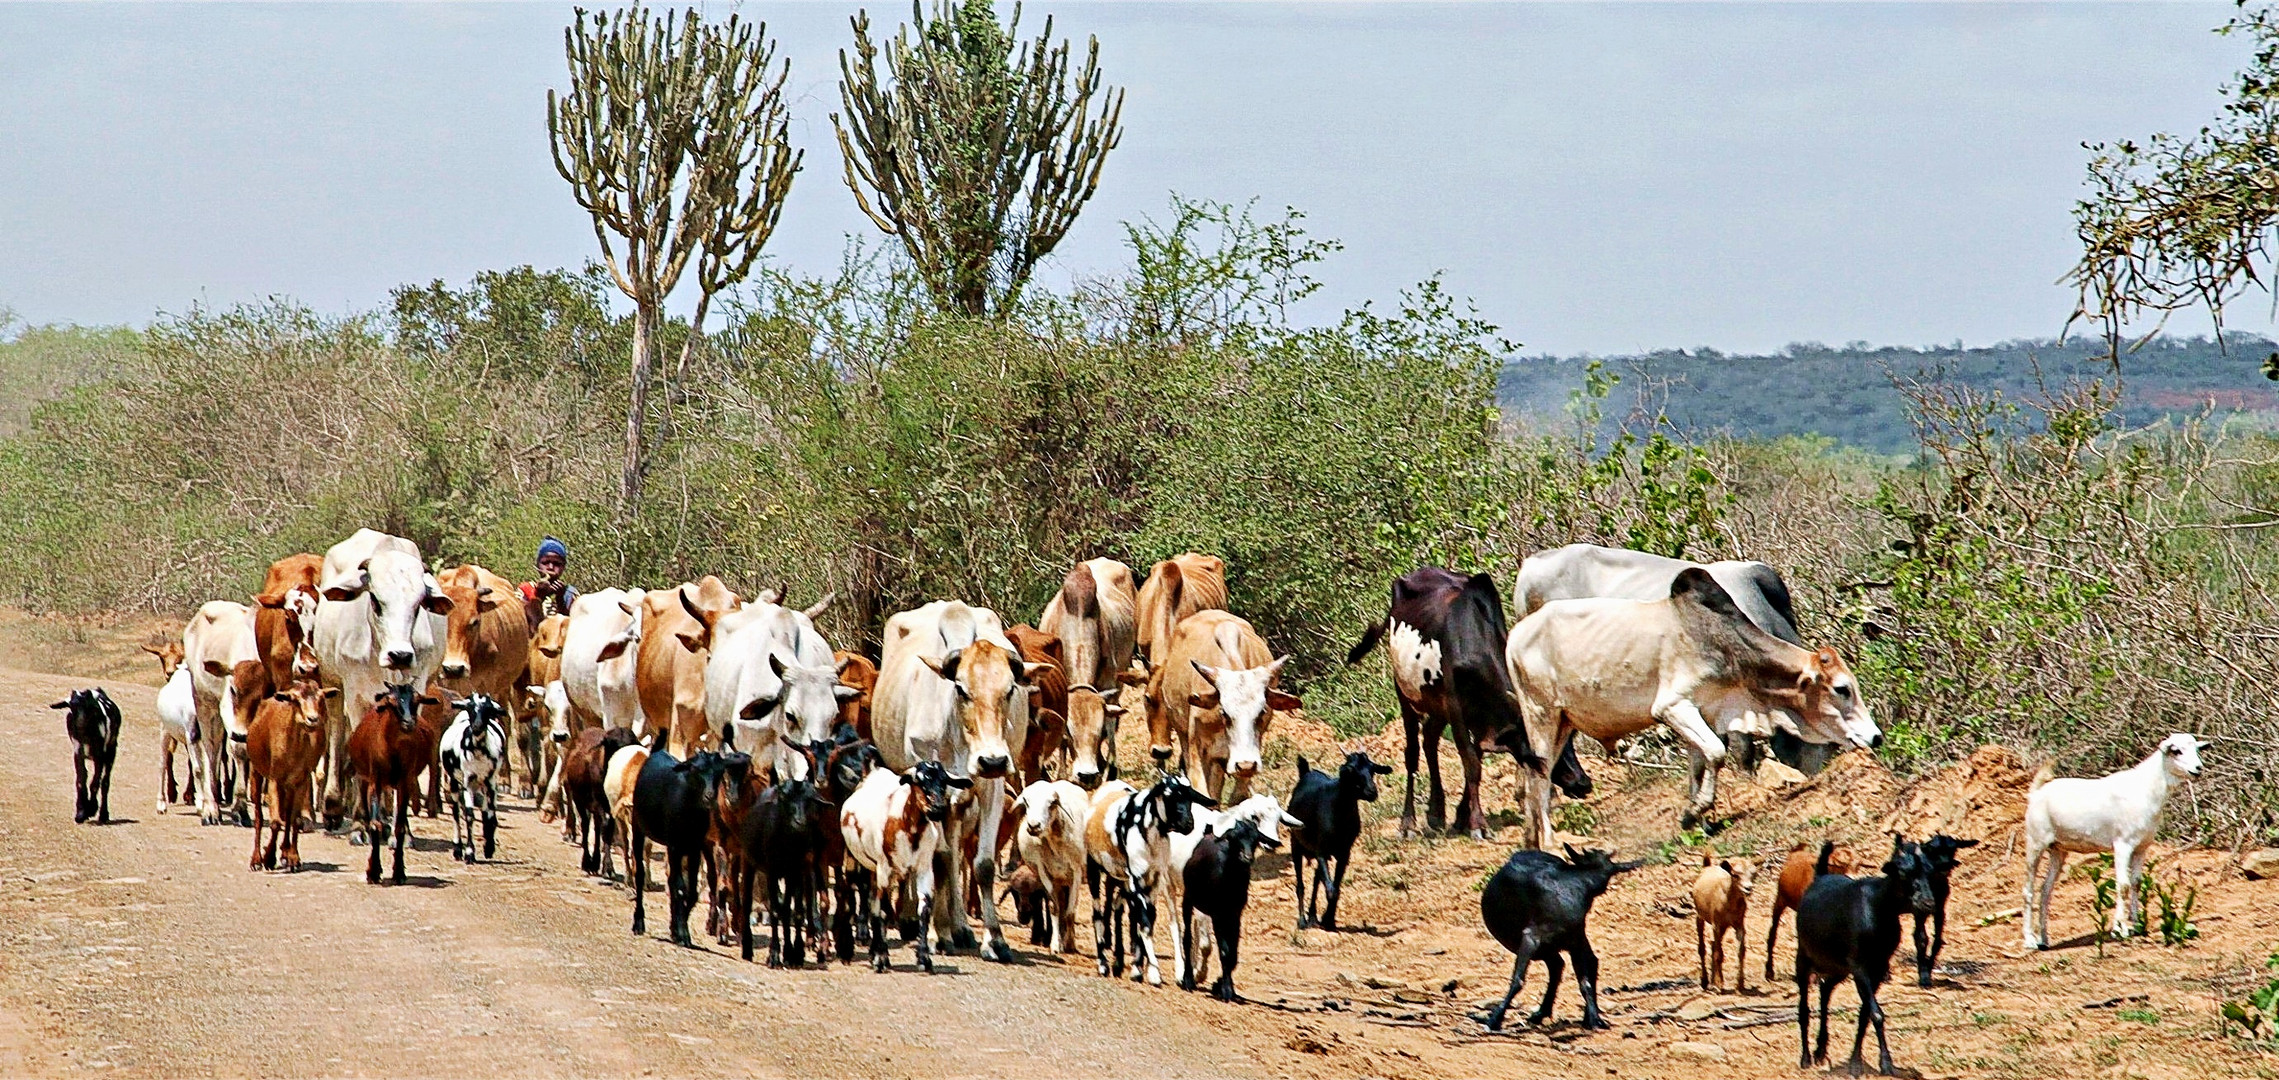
x=2120, y=812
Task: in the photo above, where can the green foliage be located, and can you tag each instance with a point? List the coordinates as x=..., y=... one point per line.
x=2141, y=1016
x=1686, y=842
x=2257, y=1015
x=1574, y=817
x=2169, y=917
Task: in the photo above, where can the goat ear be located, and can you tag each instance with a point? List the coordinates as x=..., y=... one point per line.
x=1281, y=702
x=1203, y=701
x=60, y=705
x=1381, y=770
x=1959, y=844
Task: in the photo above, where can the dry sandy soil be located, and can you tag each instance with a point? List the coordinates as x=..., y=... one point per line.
x=147, y=948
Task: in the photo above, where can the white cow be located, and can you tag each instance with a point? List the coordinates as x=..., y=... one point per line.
x=216, y=641
x=599, y=647
x=380, y=624
x=952, y=689
x=771, y=673
x=2119, y=812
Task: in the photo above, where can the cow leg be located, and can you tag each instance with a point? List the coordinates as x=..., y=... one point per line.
x=1682, y=717
x=1436, y=802
x=1471, y=809
x=1409, y=721
x=1336, y=889
x=994, y=946
x=336, y=767
x=434, y=789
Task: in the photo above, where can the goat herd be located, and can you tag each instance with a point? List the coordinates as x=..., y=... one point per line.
x=729, y=732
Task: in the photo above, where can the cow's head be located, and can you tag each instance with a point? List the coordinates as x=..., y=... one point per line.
x=552, y=630
x=298, y=603
x=704, y=601
x=2180, y=755
x=987, y=678
x=1092, y=723
x=808, y=696
x=398, y=592
x=470, y=601
x=306, y=699
x=1245, y=699
x=1830, y=707
x=552, y=699
x=169, y=654
x=628, y=639
x=856, y=673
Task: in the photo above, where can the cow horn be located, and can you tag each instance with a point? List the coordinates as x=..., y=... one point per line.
x=817, y=608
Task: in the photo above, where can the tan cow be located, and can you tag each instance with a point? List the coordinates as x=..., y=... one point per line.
x=1048, y=704
x=856, y=670
x=1177, y=588
x=486, y=650
x=217, y=640
x=1216, y=691
x=1094, y=615
x=668, y=672
x=283, y=614
x=1610, y=668
x=545, y=670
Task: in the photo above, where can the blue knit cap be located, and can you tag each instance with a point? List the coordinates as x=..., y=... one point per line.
x=551, y=546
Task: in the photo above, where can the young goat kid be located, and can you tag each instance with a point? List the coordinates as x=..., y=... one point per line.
x=282, y=747
x=472, y=752
x=1721, y=904
x=1849, y=927
x=93, y=723
x=1216, y=883
x=1536, y=906
x=1945, y=853
x=1327, y=810
x=1796, y=876
x=2119, y=812
x=392, y=745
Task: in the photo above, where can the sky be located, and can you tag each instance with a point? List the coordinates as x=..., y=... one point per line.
x=1604, y=178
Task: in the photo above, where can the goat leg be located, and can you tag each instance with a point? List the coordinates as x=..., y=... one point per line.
x=1336, y=889
x=1555, y=966
x=1519, y=961
x=1803, y=1016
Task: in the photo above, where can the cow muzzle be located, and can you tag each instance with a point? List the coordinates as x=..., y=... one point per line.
x=992, y=766
x=454, y=669
x=1245, y=769
x=1088, y=779
x=1160, y=753
x=397, y=659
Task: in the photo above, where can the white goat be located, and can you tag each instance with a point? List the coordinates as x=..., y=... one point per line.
x=2120, y=812
x=178, y=721
x=1051, y=839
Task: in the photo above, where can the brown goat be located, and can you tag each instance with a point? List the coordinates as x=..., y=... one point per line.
x=1796, y=876
x=1720, y=904
x=390, y=750
x=282, y=745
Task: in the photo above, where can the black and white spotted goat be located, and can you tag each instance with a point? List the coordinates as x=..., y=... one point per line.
x=93, y=721
x=473, y=748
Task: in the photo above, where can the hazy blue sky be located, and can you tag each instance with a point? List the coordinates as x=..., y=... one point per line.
x=1600, y=177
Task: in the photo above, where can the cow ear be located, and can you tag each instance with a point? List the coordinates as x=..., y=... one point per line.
x=269, y=600
x=216, y=669
x=436, y=603
x=1210, y=674
x=1203, y=701
x=1052, y=720
x=550, y=651
x=347, y=586
x=1038, y=670
x=844, y=692
x=1131, y=677
x=1281, y=702
x=946, y=667
x=331, y=692
x=691, y=642
x=959, y=782
x=485, y=601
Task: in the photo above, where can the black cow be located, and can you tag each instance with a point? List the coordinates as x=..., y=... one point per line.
x=1446, y=638
x=92, y=719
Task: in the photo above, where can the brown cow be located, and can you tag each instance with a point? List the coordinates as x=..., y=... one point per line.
x=668, y=672
x=537, y=732
x=1177, y=588
x=857, y=671
x=1091, y=721
x=1093, y=615
x=1048, y=703
x=282, y=616
x=282, y=747
x=1216, y=691
x=486, y=650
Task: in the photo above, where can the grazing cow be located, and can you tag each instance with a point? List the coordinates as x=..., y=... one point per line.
x=1216, y=691
x=584, y=769
x=379, y=626
x=951, y=690
x=1328, y=814
x=2118, y=812
x=770, y=677
x=1538, y=906
x=893, y=826
x=1944, y=853
x=282, y=748
x=1127, y=836
x=1094, y=616
x=178, y=728
x=1051, y=842
x=1091, y=721
x=672, y=804
x=92, y=721
x=1445, y=635
x=283, y=614
x=1796, y=876
x=1579, y=571
x=228, y=681
x=1217, y=884
x=1848, y=928
x=536, y=730
x=618, y=780
x=856, y=673
x=784, y=840
x=1610, y=668
x=668, y=672
x=598, y=657
x=486, y=649
x=1721, y=904
x=472, y=753
x=1176, y=588
x=392, y=746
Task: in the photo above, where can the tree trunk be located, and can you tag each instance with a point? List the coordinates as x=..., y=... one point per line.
x=637, y=413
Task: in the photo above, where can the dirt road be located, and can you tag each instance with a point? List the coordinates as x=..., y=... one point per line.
x=147, y=948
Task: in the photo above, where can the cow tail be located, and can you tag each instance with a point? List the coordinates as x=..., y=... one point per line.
x=1368, y=641
x=1827, y=848
x=1081, y=593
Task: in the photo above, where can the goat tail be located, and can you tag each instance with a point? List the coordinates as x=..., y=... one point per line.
x=1708, y=856
x=1827, y=848
x=2043, y=775
x=1368, y=641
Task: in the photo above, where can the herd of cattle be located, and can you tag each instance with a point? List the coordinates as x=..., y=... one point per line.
x=729, y=731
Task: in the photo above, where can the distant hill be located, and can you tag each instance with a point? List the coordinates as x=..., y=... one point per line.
x=1846, y=393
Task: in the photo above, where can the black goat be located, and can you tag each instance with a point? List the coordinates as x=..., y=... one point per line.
x=847, y=758
x=1218, y=884
x=783, y=838
x=1849, y=926
x=1945, y=853
x=92, y=719
x=1328, y=810
x=1537, y=906
x=672, y=804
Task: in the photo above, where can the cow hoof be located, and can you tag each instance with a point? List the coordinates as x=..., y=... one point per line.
x=1000, y=952
x=962, y=938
